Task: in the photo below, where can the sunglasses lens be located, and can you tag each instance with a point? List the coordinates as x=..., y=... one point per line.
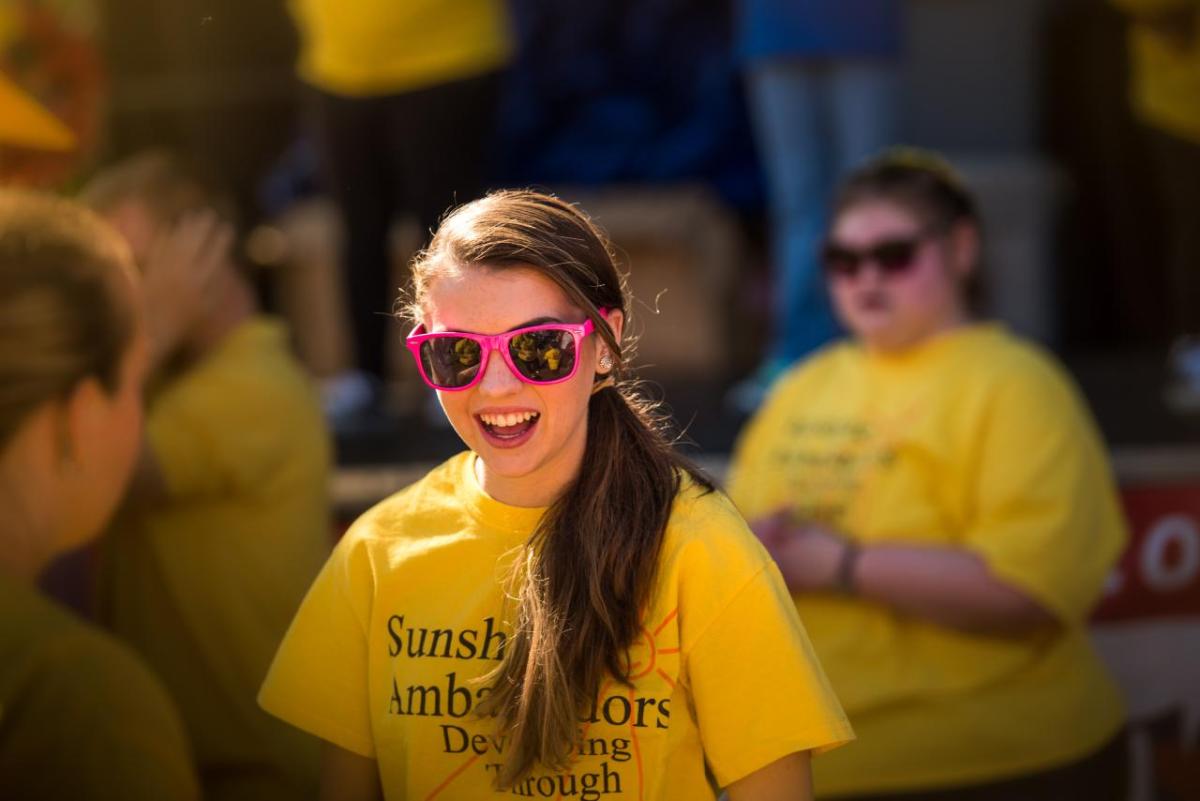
x=543, y=355
x=450, y=361
x=839, y=261
x=895, y=257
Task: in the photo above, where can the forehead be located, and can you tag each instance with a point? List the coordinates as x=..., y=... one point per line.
x=486, y=300
x=872, y=220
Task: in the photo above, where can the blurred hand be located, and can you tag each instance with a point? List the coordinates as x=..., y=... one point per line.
x=181, y=279
x=808, y=554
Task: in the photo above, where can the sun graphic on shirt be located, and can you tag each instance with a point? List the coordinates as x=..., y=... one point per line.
x=645, y=658
x=645, y=651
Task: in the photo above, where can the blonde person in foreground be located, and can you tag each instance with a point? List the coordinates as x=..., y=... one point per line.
x=80, y=716
x=939, y=503
x=566, y=608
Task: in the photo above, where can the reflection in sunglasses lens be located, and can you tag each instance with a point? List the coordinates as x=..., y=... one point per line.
x=545, y=355
x=450, y=361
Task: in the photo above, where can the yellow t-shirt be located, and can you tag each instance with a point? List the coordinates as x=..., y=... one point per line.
x=204, y=584
x=1166, y=77
x=383, y=657
x=80, y=716
x=372, y=47
x=973, y=440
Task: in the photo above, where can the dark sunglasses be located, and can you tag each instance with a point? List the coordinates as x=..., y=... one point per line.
x=891, y=256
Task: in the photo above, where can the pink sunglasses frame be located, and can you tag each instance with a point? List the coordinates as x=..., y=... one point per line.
x=499, y=343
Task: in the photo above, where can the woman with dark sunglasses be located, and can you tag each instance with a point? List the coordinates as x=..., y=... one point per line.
x=940, y=505
x=567, y=609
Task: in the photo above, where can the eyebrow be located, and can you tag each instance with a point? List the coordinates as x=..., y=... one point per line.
x=535, y=321
x=526, y=324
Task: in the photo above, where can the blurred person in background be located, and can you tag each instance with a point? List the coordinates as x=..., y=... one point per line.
x=940, y=504
x=80, y=716
x=403, y=100
x=1164, y=42
x=821, y=82
x=227, y=519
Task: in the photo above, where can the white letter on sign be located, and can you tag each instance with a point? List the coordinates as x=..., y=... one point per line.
x=1159, y=574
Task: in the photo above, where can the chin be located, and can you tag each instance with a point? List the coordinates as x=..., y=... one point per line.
x=504, y=466
x=506, y=462
x=874, y=330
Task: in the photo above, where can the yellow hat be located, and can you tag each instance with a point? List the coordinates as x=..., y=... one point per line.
x=23, y=122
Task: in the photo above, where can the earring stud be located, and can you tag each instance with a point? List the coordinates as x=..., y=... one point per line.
x=606, y=361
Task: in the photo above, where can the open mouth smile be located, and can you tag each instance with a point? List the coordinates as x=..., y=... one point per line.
x=509, y=429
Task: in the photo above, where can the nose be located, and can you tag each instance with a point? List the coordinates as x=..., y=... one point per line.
x=497, y=379
x=870, y=274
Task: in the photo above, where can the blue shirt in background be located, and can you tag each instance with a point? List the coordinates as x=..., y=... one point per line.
x=769, y=29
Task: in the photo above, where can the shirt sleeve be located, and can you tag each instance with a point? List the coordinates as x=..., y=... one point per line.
x=757, y=688
x=751, y=453
x=94, y=723
x=1047, y=519
x=318, y=679
x=212, y=435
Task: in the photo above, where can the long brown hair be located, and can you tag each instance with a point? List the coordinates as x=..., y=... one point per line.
x=591, y=563
x=64, y=315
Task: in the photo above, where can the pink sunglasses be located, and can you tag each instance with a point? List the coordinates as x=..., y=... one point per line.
x=538, y=354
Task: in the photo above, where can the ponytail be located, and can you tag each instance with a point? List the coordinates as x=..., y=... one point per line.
x=586, y=580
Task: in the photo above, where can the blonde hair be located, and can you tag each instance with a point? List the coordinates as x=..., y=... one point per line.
x=66, y=308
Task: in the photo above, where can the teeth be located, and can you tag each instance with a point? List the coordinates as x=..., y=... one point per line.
x=507, y=420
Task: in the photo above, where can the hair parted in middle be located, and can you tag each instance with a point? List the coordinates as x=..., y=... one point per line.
x=928, y=187
x=590, y=566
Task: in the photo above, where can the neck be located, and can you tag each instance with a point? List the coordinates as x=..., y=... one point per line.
x=23, y=554
x=19, y=563
x=884, y=346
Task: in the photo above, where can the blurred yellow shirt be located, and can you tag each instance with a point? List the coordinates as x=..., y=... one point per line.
x=374, y=47
x=80, y=716
x=1166, y=75
x=384, y=656
x=204, y=584
x=974, y=440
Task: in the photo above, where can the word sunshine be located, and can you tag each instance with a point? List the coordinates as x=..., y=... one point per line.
x=415, y=643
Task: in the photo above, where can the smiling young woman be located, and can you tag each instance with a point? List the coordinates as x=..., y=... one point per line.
x=563, y=608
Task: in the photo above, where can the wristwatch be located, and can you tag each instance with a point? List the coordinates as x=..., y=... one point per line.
x=843, y=580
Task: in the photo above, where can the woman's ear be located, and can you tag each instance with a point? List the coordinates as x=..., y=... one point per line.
x=80, y=415
x=616, y=321
x=964, y=249
x=605, y=359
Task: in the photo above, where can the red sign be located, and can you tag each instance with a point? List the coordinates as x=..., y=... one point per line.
x=1159, y=574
